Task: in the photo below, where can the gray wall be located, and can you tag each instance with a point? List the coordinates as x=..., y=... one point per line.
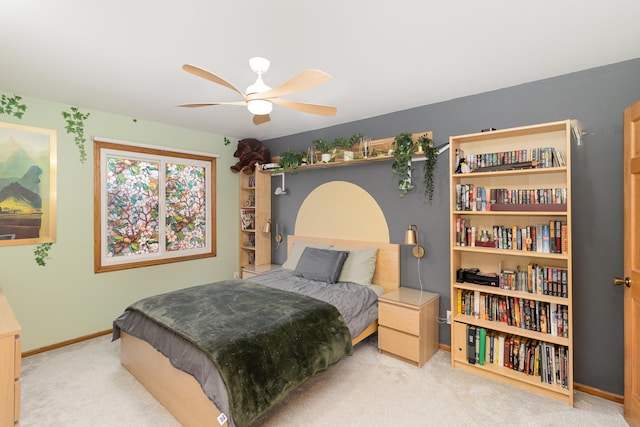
x=597, y=98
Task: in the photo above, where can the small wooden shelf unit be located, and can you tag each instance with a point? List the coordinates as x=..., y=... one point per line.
x=255, y=212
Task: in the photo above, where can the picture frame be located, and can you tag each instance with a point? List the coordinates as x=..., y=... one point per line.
x=28, y=185
x=152, y=206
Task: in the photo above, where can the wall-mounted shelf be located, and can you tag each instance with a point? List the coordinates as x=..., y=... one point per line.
x=378, y=145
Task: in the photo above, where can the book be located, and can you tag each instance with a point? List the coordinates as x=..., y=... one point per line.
x=471, y=344
x=564, y=232
x=491, y=348
x=501, y=346
x=476, y=304
x=247, y=219
x=523, y=354
x=482, y=346
x=477, y=356
x=546, y=246
x=543, y=318
x=553, y=317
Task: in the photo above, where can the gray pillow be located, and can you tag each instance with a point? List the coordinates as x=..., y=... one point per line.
x=296, y=252
x=323, y=265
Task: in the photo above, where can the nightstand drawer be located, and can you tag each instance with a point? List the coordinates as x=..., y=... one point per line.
x=398, y=317
x=399, y=343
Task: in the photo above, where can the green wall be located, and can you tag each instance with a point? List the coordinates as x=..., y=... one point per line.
x=66, y=299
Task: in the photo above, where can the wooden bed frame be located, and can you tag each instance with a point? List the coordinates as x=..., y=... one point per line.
x=182, y=395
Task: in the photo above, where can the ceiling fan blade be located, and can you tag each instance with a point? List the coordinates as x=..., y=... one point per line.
x=258, y=120
x=197, y=71
x=208, y=104
x=322, y=110
x=303, y=81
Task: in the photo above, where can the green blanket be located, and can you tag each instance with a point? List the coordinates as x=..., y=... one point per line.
x=264, y=341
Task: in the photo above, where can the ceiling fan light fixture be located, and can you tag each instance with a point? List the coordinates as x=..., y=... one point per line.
x=259, y=107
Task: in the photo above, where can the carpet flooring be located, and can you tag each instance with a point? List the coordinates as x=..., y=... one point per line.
x=84, y=385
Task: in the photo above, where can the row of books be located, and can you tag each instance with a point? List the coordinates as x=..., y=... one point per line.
x=523, y=313
x=536, y=279
x=544, y=157
x=531, y=357
x=251, y=182
x=545, y=238
x=470, y=197
x=247, y=219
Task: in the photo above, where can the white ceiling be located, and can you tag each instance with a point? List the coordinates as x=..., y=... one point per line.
x=125, y=56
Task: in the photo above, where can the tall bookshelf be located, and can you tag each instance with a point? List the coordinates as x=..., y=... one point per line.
x=505, y=213
x=255, y=212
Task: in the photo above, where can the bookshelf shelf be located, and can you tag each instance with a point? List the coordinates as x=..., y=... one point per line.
x=510, y=293
x=512, y=213
x=510, y=252
x=514, y=172
x=520, y=379
x=523, y=231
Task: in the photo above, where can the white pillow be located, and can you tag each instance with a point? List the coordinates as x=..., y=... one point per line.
x=296, y=252
x=359, y=265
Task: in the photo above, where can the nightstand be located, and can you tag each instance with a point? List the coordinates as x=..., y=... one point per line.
x=408, y=324
x=254, y=270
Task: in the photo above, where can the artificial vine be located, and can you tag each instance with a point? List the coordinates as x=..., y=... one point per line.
x=227, y=141
x=402, y=152
x=12, y=106
x=431, y=158
x=42, y=254
x=75, y=125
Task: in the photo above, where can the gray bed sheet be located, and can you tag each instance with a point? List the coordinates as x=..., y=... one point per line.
x=356, y=303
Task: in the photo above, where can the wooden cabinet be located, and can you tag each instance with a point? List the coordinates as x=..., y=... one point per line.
x=255, y=212
x=511, y=219
x=408, y=324
x=254, y=270
x=10, y=359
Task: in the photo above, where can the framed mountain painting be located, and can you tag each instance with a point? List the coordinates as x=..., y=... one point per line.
x=27, y=185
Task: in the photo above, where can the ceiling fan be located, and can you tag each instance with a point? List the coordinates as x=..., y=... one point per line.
x=259, y=98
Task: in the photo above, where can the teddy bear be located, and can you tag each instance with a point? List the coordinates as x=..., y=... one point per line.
x=249, y=152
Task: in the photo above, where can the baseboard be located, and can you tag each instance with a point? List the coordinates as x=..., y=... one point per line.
x=576, y=386
x=600, y=393
x=66, y=343
x=445, y=347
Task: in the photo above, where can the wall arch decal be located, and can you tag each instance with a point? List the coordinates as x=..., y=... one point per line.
x=343, y=210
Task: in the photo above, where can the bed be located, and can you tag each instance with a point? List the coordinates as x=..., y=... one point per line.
x=190, y=397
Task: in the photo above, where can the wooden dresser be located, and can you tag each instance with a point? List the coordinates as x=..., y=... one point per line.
x=10, y=348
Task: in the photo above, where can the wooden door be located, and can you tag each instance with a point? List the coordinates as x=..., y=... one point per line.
x=631, y=265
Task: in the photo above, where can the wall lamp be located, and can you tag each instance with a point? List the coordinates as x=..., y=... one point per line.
x=266, y=229
x=411, y=238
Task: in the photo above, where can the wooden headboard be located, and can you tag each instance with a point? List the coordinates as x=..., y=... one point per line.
x=387, y=272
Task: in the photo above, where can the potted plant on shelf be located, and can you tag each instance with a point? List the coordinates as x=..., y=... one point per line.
x=343, y=143
x=291, y=159
x=347, y=145
x=427, y=147
x=402, y=146
x=324, y=147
